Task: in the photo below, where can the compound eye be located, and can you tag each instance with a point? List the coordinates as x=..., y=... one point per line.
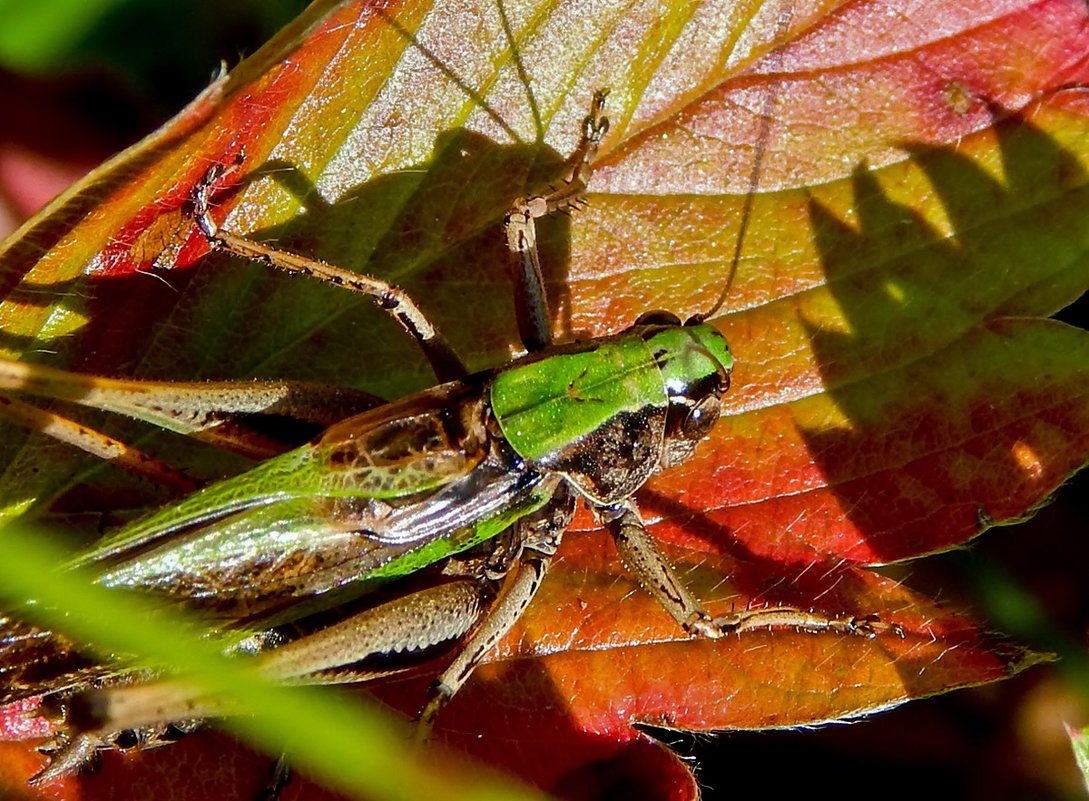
x=658, y=317
x=702, y=418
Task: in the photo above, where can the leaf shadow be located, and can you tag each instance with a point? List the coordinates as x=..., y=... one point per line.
x=893, y=277
x=910, y=296
x=434, y=236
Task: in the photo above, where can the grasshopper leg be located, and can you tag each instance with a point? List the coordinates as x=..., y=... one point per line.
x=531, y=304
x=642, y=557
x=525, y=580
x=868, y=626
x=393, y=299
x=657, y=576
x=96, y=443
x=98, y=719
x=538, y=537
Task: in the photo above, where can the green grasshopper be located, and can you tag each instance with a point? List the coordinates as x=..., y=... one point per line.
x=416, y=524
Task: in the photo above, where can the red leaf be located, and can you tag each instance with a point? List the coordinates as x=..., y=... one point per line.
x=908, y=190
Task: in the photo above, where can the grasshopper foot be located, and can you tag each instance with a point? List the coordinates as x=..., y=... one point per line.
x=437, y=697
x=67, y=755
x=870, y=626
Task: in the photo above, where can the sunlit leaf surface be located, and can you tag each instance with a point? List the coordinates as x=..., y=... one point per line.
x=895, y=196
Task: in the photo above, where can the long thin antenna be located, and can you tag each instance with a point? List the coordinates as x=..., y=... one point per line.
x=449, y=72
x=520, y=68
x=782, y=25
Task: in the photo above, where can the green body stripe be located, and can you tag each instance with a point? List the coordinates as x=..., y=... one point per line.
x=301, y=474
x=689, y=353
x=430, y=552
x=547, y=405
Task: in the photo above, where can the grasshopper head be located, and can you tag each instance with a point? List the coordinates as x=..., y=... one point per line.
x=695, y=361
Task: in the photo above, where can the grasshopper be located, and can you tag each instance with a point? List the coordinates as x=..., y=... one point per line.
x=413, y=525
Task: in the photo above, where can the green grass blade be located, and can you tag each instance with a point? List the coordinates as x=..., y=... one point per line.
x=347, y=744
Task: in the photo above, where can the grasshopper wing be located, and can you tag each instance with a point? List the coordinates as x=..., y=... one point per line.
x=378, y=496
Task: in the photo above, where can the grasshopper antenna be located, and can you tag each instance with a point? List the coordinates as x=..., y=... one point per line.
x=782, y=25
x=520, y=68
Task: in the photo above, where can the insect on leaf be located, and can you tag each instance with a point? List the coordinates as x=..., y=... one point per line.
x=903, y=193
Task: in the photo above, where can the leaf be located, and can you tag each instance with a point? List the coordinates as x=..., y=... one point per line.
x=595, y=655
x=909, y=194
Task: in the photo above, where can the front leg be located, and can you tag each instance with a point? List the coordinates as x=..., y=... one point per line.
x=391, y=299
x=531, y=305
x=645, y=560
x=642, y=557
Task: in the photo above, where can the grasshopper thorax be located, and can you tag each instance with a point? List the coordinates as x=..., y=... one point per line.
x=607, y=413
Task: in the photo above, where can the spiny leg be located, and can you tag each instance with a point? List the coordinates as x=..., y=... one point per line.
x=234, y=415
x=393, y=299
x=414, y=622
x=654, y=572
x=531, y=304
x=641, y=555
x=526, y=578
x=540, y=536
x=255, y=418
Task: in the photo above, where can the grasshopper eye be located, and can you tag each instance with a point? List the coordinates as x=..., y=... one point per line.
x=688, y=423
x=658, y=317
x=701, y=418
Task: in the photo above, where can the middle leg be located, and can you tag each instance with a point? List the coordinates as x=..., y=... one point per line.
x=538, y=537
